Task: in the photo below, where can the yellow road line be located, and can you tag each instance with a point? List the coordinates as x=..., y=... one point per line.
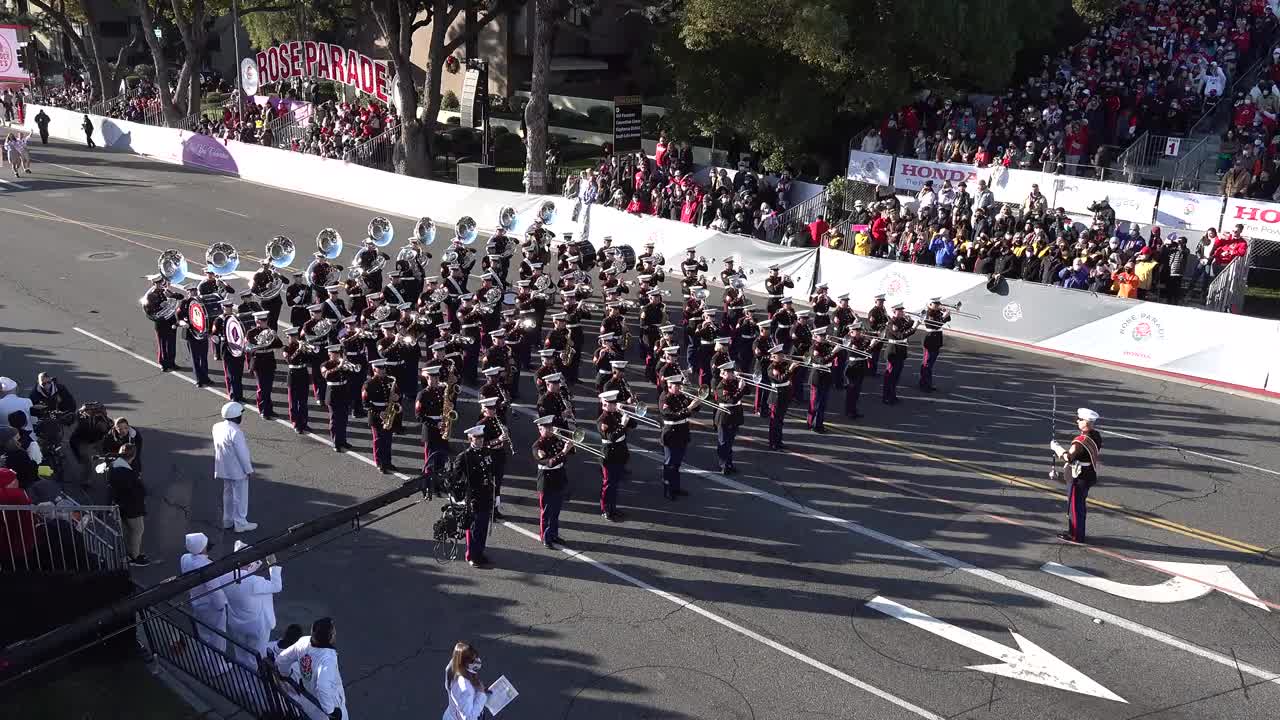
x=1138, y=516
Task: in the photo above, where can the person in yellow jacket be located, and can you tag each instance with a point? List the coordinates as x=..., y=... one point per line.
x=1145, y=268
x=862, y=243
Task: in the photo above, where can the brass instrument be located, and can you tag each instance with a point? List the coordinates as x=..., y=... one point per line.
x=638, y=412
x=576, y=439
x=851, y=349
x=321, y=329
x=265, y=338
x=222, y=258
x=329, y=243
x=703, y=393
x=447, y=414
x=806, y=362
x=172, y=266
x=757, y=381
x=392, y=413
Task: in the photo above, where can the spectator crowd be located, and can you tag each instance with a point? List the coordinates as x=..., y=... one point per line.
x=968, y=231
x=1154, y=67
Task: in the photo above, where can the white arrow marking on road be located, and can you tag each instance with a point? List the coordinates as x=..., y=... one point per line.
x=1189, y=581
x=1029, y=662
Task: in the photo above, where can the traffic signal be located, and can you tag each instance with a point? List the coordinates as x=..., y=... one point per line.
x=25, y=57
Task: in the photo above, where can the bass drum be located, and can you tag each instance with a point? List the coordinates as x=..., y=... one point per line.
x=624, y=257
x=586, y=253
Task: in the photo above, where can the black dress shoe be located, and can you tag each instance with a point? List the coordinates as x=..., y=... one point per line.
x=497, y=515
x=549, y=544
x=384, y=470
x=338, y=448
x=1067, y=536
x=682, y=492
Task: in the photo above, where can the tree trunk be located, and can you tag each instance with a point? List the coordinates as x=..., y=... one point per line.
x=535, y=113
x=93, y=64
x=88, y=56
x=158, y=58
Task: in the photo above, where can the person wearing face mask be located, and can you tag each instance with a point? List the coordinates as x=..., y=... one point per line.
x=313, y=660
x=467, y=694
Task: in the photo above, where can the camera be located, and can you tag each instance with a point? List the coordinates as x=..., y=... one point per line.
x=455, y=518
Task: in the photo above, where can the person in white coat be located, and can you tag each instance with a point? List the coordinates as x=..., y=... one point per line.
x=208, y=600
x=313, y=661
x=467, y=696
x=233, y=466
x=251, y=611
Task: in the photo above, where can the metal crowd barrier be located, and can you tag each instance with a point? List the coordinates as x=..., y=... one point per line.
x=62, y=538
x=173, y=635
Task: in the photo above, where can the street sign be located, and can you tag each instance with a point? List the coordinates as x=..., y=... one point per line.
x=1029, y=663
x=628, y=125
x=1172, y=146
x=1189, y=581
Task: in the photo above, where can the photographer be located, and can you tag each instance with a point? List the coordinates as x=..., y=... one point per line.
x=91, y=428
x=50, y=397
x=122, y=433
x=1105, y=214
x=129, y=494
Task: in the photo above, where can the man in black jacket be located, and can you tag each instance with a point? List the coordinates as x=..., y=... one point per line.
x=129, y=494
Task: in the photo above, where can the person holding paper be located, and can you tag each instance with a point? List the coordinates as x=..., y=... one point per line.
x=467, y=696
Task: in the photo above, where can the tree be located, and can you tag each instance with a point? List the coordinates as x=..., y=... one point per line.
x=398, y=20
x=67, y=18
x=545, y=14
x=792, y=74
x=302, y=20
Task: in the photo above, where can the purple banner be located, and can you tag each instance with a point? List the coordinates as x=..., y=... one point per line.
x=207, y=152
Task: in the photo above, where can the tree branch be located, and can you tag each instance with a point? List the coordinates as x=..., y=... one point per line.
x=265, y=9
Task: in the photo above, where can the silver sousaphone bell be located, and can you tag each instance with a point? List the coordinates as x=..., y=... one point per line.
x=507, y=219
x=281, y=251
x=329, y=243
x=172, y=266
x=221, y=258
x=425, y=231
x=547, y=213
x=465, y=230
x=381, y=232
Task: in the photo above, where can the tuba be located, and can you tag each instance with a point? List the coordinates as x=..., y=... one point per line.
x=507, y=219
x=172, y=266
x=547, y=213
x=425, y=231
x=465, y=230
x=280, y=251
x=222, y=258
x=381, y=232
x=329, y=243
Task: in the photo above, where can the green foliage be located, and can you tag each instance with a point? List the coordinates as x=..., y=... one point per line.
x=450, y=101
x=145, y=71
x=652, y=124
x=508, y=148
x=794, y=74
x=1095, y=11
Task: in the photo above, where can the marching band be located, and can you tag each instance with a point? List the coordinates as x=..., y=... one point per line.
x=368, y=340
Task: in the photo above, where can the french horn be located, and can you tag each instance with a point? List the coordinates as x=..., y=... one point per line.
x=329, y=243
x=222, y=258
x=381, y=232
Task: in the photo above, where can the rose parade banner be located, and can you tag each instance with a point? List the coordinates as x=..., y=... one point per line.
x=305, y=58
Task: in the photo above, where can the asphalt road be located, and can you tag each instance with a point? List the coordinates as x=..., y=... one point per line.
x=865, y=573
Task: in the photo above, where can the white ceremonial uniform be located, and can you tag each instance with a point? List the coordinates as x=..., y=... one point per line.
x=208, y=605
x=10, y=403
x=232, y=465
x=465, y=701
x=251, y=613
x=317, y=670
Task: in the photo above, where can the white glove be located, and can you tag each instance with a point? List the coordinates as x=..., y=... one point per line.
x=1057, y=448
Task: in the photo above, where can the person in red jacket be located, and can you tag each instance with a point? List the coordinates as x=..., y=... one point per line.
x=817, y=229
x=17, y=527
x=880, y=236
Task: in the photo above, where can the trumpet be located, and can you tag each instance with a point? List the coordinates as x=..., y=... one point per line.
x=703, y=394
x=576, y=439
x=638, y=412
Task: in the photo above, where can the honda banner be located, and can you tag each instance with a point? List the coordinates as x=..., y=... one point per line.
x=1260, y=219
x=868, y=167
x=912, y=174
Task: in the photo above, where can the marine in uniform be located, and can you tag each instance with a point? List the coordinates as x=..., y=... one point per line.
x=1080, y=462
x=431, y=408
x=475, y=463
x=263, y=280
x=761, y=350
x=261, y=346
x=166, y=328
x=550, y=452
x=781, y=322
x=498, y=441
x=778, y=376
x=728, y=417
x=652, y=317
x=555, y=402
x=775, y=286
x=877, y=319
x=613, y=426
x=822, y=305
x=197, y=340
x=297, y=358
x=377, y=395
x=232, y=357
x=855, y=368
x=822, y=361
x=935, y=317
x=337, y=372
x=899, y=328
x=841, y=319
x=676, y=410
x=354, y=342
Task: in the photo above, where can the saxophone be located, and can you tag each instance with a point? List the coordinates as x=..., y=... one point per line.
x=392, y=414
x=447, y=415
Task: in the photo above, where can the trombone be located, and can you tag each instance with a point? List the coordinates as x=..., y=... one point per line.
x=576, y=439
x=757, y=381
x=703, y=394
x=798, y=360
x=851, y=349
x=638, y=412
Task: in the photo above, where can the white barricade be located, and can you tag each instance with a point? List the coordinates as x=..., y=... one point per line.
x=873, y=168
x=1132, y=203
x=1188, y=211
x=913, y=285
